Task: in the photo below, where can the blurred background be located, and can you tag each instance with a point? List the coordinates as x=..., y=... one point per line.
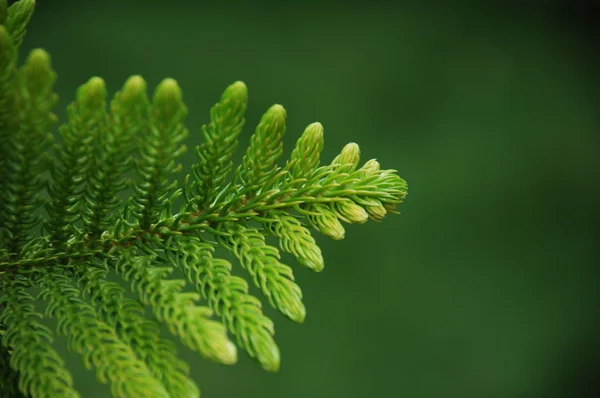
x=487, y=285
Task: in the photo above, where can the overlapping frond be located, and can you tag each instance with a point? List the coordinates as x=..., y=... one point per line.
x=114, y=361
x=275, y=280
x=9, y=377
x=228, y=297
x=182, y=317
x=28, y=345
x=89, y=236
x=114, y=142
x=127, y=317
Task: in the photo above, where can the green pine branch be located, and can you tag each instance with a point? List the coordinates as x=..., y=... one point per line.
x=89, y=236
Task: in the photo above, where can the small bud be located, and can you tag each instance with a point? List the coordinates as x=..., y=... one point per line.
x=231, y=108
x=38, y=60
x=312, y=137
x=350, y=212
x=370, y=166
x=312, y=258
x=237, y=92
x=227, y=353
x=299, y=312
x=168, y=102
x=38, y=71
x=168, y=91
x=327, y=223
x=274, y=117
x=265, y=148
x=350, y=156
x=306, y=154
x=266, y=351
x=133, y=91
x=313, y=133
x=92, y=94
x=268, y=135
x=391, y=207
x=95, y=85
x=210, y=339
x=291, y=304
x=376, y=212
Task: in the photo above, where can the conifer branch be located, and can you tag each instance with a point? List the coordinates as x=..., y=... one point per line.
x=89, y=234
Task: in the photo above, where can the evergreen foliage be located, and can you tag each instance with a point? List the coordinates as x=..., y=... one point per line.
x=88, y=236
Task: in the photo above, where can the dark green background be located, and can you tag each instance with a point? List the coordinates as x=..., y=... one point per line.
x=487, y=285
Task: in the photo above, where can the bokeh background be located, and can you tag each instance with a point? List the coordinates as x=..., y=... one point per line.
x=487, y=285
